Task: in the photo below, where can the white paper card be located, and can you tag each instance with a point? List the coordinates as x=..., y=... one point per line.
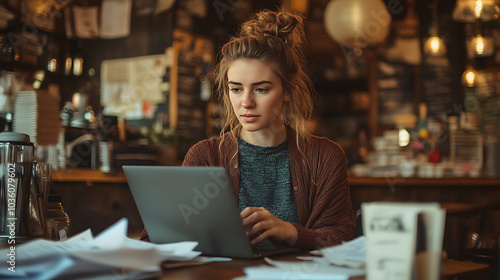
x=403, y=240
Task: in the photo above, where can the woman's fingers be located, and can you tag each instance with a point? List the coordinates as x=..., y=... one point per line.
x=260, y=237
x=259, y=227
x=250, y=210
x=262, y=224
x=252, y=215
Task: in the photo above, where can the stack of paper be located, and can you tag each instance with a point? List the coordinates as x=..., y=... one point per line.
x=111, y=252
x=37, y=114
x=337, y=263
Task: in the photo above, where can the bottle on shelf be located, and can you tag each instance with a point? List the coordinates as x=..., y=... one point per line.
x=423, y=133
x=58, y=221
x=107, y=132
x=106, y=155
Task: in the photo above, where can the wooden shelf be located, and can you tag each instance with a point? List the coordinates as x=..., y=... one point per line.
x=424, y=182
x=95, y=176
x=87, y=175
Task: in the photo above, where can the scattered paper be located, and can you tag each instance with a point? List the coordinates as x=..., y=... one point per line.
x=339, y=262
x=319, y=268
x=110, y=252
x=351, y=253
x=301, y=270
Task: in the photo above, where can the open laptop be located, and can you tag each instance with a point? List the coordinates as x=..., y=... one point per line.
x=193, y=204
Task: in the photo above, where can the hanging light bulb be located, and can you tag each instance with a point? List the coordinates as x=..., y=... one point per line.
x=472, y=10
x=435, y=46
x=478, y=43
x=478, y=8
x=469, y=77
x=481, y=46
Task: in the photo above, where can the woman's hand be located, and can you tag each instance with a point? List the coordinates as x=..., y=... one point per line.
x=259, y=220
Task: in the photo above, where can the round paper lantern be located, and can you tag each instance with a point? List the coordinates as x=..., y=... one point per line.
x=358, y=23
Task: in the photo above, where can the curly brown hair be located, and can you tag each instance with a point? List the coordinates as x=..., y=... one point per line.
x=276, y=39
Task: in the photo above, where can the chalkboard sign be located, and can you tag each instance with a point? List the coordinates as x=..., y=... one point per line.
x=437, y=86
x=193, y=57
x=441, y=87
x=396, y=90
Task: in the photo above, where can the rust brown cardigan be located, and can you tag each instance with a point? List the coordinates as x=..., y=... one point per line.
x=321, y=190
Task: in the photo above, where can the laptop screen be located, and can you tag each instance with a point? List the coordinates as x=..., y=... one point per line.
x=189, y=204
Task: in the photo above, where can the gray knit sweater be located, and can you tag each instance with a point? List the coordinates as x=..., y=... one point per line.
x=265, y=180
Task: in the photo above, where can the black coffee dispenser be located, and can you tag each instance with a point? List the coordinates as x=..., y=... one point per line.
x=21, y=197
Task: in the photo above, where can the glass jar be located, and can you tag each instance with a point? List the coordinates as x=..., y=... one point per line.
x=58, y=221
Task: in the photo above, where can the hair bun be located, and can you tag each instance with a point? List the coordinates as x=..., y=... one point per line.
x=286, y=26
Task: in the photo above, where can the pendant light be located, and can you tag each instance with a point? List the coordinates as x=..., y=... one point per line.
x=357, y=23
x=469, y=76
x=434, y=45
x=471, y=10
x=481, y=46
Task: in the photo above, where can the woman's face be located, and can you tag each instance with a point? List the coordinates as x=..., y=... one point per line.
x=256, y=94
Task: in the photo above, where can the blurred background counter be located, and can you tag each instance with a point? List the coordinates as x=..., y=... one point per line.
x=472, y=206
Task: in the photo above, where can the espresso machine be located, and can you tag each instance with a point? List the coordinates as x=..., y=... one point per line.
x=22, y=195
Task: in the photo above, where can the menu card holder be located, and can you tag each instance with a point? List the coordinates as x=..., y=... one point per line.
x=403, y=240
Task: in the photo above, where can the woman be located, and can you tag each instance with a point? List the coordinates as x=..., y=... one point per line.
x=291, y=186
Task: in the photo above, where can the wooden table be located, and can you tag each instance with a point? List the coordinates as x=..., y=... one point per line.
x=451, y=270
